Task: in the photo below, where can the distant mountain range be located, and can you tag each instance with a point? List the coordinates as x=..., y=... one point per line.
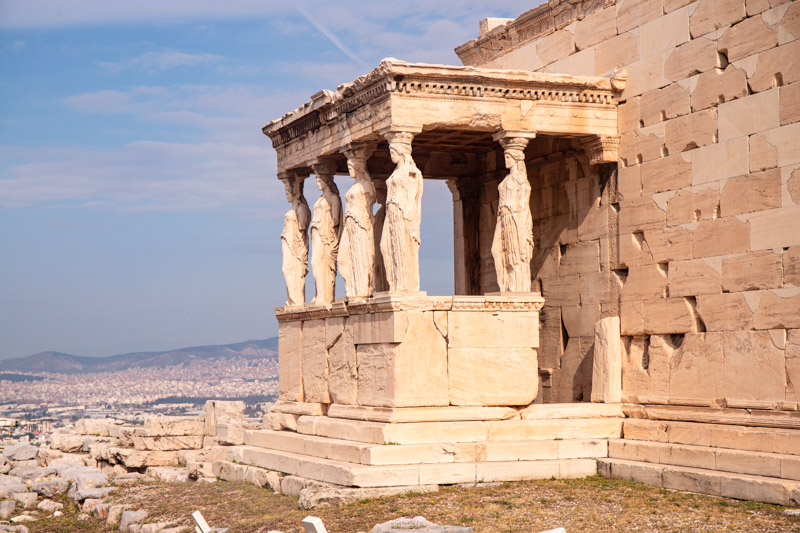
x=65, y=363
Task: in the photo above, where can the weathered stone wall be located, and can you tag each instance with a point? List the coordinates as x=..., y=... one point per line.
x=706, y=246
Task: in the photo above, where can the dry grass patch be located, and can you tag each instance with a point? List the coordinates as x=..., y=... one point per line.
x=589, y=504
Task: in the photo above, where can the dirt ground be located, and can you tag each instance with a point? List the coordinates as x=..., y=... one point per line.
x=589, y=504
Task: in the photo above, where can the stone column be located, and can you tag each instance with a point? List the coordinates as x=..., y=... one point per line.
x=512, y=245
x=400, y=239
x=294, y=238
x=381, y=284
x=466, y=229
x=356, y=258
x=325, y=232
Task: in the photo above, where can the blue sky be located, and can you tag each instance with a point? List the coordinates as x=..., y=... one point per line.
x=139, y=208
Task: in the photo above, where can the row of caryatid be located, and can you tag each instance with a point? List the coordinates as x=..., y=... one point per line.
x=350, y=244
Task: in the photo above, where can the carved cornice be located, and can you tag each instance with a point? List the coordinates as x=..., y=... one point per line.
x=538, y=22
x=522, y=302
x=601, y=149
x=438, y=82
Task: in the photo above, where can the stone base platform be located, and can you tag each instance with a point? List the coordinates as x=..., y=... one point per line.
x=743, y=454
x=538, y=442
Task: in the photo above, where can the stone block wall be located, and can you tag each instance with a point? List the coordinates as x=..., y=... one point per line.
x=698, y=249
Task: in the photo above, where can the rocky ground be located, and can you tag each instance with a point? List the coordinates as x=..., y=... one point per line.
x=47, y=491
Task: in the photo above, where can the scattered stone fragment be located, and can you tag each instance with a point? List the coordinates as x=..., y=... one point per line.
x=169, y=474
x=129, y=518
x=13, y=529
x=57, y=514
x=21, y=451
x=50, y=506
x=7, y=508
x=24, y=518
x=792, y=512
x=48, y=489
x=115, y=513
x=27, y=499
x=83, y=516
x=418, y=524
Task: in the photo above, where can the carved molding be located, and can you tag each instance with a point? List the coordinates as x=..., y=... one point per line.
x=601, y=149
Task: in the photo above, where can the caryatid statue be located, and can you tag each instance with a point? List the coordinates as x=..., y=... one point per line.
x=400, y=239
x=357, y=248
x=325, y=232
x=512, y=246
x=294, y=240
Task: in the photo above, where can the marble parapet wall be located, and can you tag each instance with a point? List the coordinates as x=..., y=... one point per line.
x=412, y=350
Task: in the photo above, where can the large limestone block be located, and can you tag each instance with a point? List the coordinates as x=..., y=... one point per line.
x=342, y=368
x=290, y=361
x=579, y=258
x=791, y=266
x=691, y=131
x=633, y=13
x=616, y=52
x=550, y=411
x=747, y=38
x=667, y=173
x=695, y=369
x=412, y=373
x=662, y=104
x=752, y=114
x=754, y=368
x=399, y=415
x=224, y=412
x=579, y=321
x=555, y=46
x=711, y=15
x=315, y=362
x=447, y=473
x=169, y=426
x=724, y=312
x=716, y=85
x=644, y=282
x=693, y=206
x=776, y=228
x=793, y=184
x=778, y=309
x=645, y=369
x=776, y=63
x=755, y=270
x=694, y=57
x=636, y=146
x=378, y=328
x=690, y=278
x=664, y=32
x=756, y=192
x=763, y=155
x=595, y=28
x=793, y=370
x=719, y=161
x=468, y=329
x=188, y=442
x=790, y=103
x=607, y=366
x=669, y=244
x=573, y=428
x=723, y=236
x=507, y=376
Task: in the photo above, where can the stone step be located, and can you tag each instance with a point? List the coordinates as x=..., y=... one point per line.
x=704, y=481
x=356, y=475
x=469, y=431
x=720, y=459
x=381, y=454
x=755, y=439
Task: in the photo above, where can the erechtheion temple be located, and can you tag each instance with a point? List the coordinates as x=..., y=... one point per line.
x=625, y=182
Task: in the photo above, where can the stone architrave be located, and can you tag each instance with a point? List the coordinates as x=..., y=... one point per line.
x=400, y=239
x=357, y=246
x=325, y=232
x=512, y=245
x=607, y=367
x=294, y=240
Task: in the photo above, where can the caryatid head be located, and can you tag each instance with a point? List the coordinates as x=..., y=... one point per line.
x=324, y=171
x=399, y=145
x=357, y=155
x=293, y=186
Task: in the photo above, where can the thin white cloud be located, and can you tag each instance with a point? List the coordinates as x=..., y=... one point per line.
x=163, y=60
x=18, y=45
x=329, y=34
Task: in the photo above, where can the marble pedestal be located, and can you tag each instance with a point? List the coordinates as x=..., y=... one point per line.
x=402, y=350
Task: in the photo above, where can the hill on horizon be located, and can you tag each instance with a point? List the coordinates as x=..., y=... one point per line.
x=58, y=362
